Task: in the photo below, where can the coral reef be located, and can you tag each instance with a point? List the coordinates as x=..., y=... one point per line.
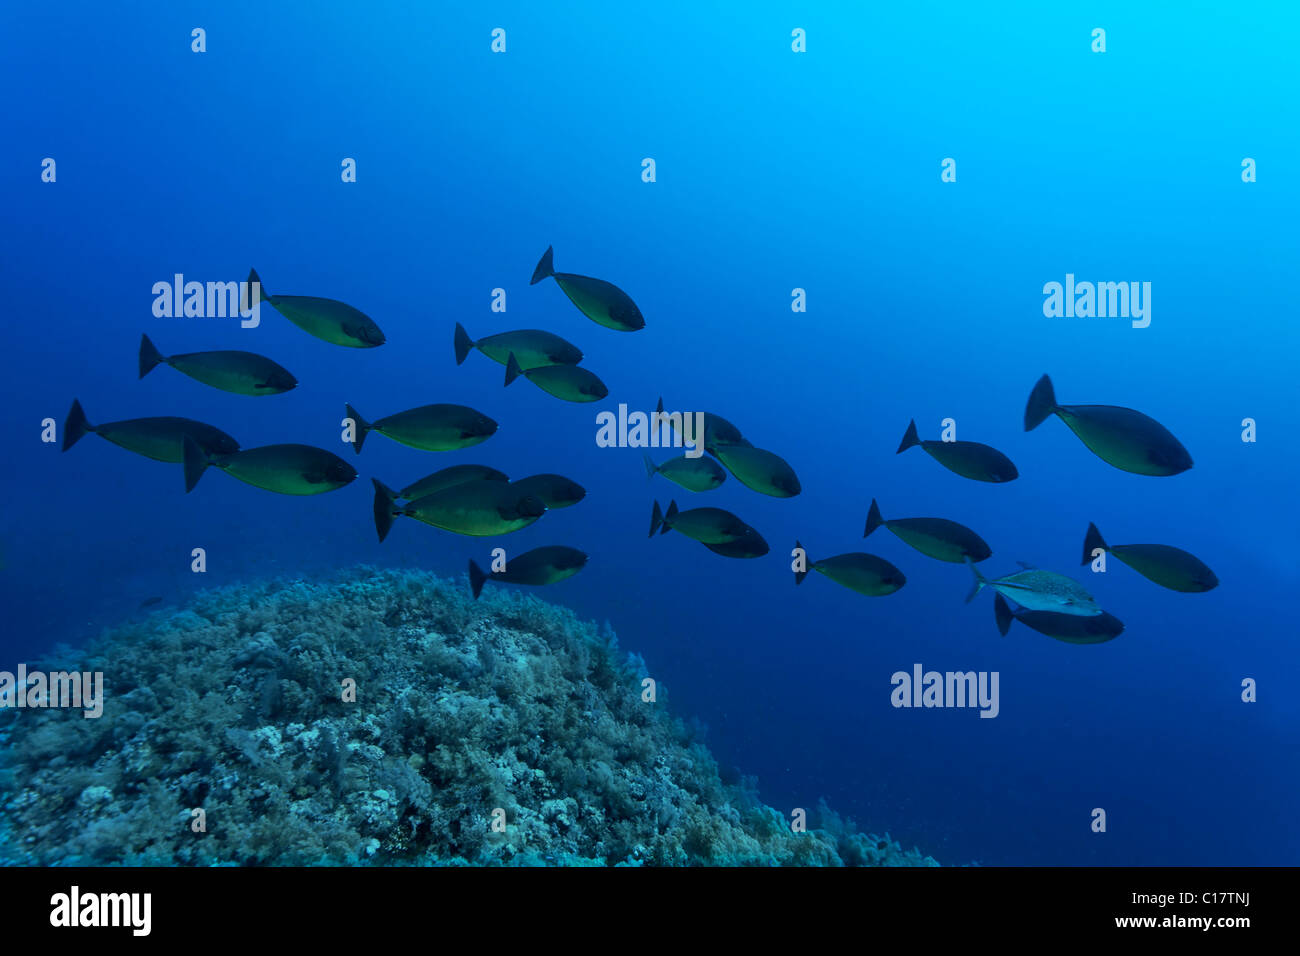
x=236, y=706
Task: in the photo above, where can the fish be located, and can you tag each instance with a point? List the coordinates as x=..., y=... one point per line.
x=1121, y=437
x=935, y=537
x=475, y=508
x=556, y=491
x=244, y=373
x=161, y=439
x=693, y=474
x=573, y=383
x=446, y=477
x=540, y=566
x=286, y=469
x=1070, y=628
x=1167, y=566
x=705, y=525
x=858, y=571
x=533, y=348
x=149, y=602
x=429, y=427
x=1036, y=590
x=759, y=470
x=328, y=319
x=718, y=432
x=970, y=459
x=750, y=546
x=602, y=302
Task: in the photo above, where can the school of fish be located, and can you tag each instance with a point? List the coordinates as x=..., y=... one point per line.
x=476, y=500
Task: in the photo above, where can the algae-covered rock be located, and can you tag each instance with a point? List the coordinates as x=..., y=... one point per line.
x=500, y=732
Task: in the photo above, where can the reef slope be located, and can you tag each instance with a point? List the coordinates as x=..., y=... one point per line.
x=235, y=705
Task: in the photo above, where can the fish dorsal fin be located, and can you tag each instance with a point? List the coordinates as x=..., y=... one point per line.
x=1004, y=583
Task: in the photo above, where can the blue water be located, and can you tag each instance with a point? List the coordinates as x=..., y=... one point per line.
x=775, y=170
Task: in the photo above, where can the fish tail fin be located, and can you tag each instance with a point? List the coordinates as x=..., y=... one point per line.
x=1002, y=614
x=656, y=519
x=910, y=438
x=195, y=460
x=1092, y=541
x=874, y=520
x=980, y=581
x=669, y=515
x=651, y=469
x=75, y=426
x=361, y=428
x=545, y=266
x=463, y=343
x=1042, y=402
x=800, y=575
x=513, y=371
x=476, y=578
x=150, y=357
x=255, y=286
x=385, y=505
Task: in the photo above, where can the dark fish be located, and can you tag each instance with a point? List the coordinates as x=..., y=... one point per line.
x=430, y=427
x=705, y=525
x=857, y=571
x=759, y=470
x=1167, y=566
x=244, y=373
x=970, y=459
x=1036, y=590
x=150, y=602
x=446, y=477
x=717, y=430
x=602, y=302
x=1070, y=628
x=286, y=469
x=335, y=322
x=693, y=474
x=556, y=491
x=751, y=545
x=573, y=383
x=161, y=439
x=937, y=537
x=533, y=348
x=475, y=508
x=1121, y=437
x=539, y=566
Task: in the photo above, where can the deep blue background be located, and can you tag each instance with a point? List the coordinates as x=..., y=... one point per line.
x=775, y=171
